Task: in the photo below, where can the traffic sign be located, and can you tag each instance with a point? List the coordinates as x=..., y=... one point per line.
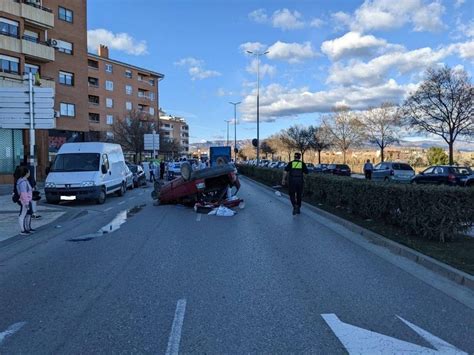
x=152, y=141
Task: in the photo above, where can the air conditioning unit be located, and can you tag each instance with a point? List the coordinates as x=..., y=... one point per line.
x=53, y=42
x=57, y=114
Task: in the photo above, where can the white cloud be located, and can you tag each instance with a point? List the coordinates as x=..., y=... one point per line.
x=277, y=101
x=317, y=23
x=342, y=19
x=375, y=71
x=467, y=29
x=287, y=20
x=352, y=44
x=291, y=52
x=458, y=3
x=265, y=69
x=259, y=16
x=221, y=92
x=389, y=14
x=120, y=41
x=252, y=47
x=196, y=68
x=465, y=50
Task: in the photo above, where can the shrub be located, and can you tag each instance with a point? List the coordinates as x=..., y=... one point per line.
x=430, y=212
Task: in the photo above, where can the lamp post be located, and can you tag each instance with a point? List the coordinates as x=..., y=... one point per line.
x=228, y=121
x=235, y=128
x=258, y=54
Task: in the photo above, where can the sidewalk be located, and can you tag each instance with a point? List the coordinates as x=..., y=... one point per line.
x=9, y=215
x=6, y=189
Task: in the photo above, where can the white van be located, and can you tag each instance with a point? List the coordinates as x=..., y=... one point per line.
x=83, y=171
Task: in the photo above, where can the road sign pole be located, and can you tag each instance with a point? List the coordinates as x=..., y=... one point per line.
x=32, y=159
x=154, y=144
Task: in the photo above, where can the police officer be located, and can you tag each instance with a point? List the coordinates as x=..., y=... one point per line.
x=295, y=169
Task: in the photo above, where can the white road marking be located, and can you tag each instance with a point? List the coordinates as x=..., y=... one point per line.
x=108, y=209
x=361, y=341
x=175, y=336
x=198, y=217
x=11, y=330
x=121, y=203
x=131, y=198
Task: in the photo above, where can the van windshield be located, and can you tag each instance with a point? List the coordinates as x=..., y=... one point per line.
x=76, y=162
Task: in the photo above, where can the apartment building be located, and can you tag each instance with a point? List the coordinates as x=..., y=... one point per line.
x=172, y=127
x=117, y=89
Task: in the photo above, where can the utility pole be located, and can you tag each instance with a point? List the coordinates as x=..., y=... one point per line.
x=228, y=121
x=258, y=54
x=32, y=159
x=235, y=129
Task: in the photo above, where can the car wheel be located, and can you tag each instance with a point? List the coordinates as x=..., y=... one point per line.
x=52, y=201
x=102, y=196
x=122, y=190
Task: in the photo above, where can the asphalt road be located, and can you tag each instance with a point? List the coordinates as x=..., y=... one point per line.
x=168, y=279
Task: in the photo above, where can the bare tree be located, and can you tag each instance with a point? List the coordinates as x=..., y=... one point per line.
x=443, y=105
x=170, y=147
x=380, y=126
x=267, y=148
x=129, y=132
x=298, y=138
x=345, y=128
x=321, y=140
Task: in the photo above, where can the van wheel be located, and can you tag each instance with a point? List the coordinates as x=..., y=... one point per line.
x=102, y=197
x=122, y=190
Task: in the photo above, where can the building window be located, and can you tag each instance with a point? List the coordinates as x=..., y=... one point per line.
x=108, y=68
x=128, y=89
x=31, y=68
x=128, y=73
x=151, y=82
x=8, y=27
x=110, y=119
x=152, y=96
x=141, y=93
x=66, y=78
x=152, y=110
x=94, y=82
x=166, y=133
x=94, y=117
x=65, y=14
x=109, y=103
x=64, y=46
x=66, y=109
x=31, y=36
x=128, y=105
x=94, y=100
x=94, y=64
x=141, y=108
x=109, y=85
x=9, y=64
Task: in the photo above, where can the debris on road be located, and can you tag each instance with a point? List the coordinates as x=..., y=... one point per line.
x=222, y=211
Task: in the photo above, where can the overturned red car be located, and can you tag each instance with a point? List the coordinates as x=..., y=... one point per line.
x=211, y=186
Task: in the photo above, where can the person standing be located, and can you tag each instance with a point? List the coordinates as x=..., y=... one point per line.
x=295, y=171
x=152, y=171
x=368, y=168
x=162, y=169
x=25, y=191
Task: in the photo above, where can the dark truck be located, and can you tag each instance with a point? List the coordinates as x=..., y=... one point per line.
x=219, y=155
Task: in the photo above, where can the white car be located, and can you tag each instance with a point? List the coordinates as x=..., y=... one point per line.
x=84, y=171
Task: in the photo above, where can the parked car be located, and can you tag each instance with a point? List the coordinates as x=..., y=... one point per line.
x=338, y=169
x=174, y=170
x=310, y=167
x=393, y=171
x=319, y=168
x=469, y=181
x=444, y=175
x=84, y=171
x=129, y=177
x=139, y=177
x=282, y=165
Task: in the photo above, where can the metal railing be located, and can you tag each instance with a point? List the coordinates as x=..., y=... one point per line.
x=34, y=4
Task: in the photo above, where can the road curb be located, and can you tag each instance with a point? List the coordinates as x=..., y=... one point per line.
x=440, y=268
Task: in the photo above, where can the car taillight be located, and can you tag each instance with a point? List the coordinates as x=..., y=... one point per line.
x=392, y=172
x=451, y=178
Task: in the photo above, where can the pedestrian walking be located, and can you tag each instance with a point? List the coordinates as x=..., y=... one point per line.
x=36, y=193
x=368, y=168
x=152, y=171
x=295, y=171
x=25, y=191
x=162, y=169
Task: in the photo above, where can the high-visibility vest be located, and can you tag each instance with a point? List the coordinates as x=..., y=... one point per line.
x=296, y=171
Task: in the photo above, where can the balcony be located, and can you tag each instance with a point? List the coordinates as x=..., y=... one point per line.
x=38, y=50
x=15, y=80
x=31, y=12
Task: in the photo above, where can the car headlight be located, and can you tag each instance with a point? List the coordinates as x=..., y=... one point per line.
x=87, y=184
x=50, y=185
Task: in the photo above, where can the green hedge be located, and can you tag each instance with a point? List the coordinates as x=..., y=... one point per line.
x=431, y=212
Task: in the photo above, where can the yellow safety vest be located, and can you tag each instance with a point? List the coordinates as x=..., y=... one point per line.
x=295, y=164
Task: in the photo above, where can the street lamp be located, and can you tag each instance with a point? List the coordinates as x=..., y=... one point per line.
x=258, y=54
x=228, y=121
x=235, y=128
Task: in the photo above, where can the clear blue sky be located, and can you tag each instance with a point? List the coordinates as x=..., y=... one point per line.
x=322, y=53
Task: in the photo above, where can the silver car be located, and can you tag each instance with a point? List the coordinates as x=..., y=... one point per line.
x=393, y=171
